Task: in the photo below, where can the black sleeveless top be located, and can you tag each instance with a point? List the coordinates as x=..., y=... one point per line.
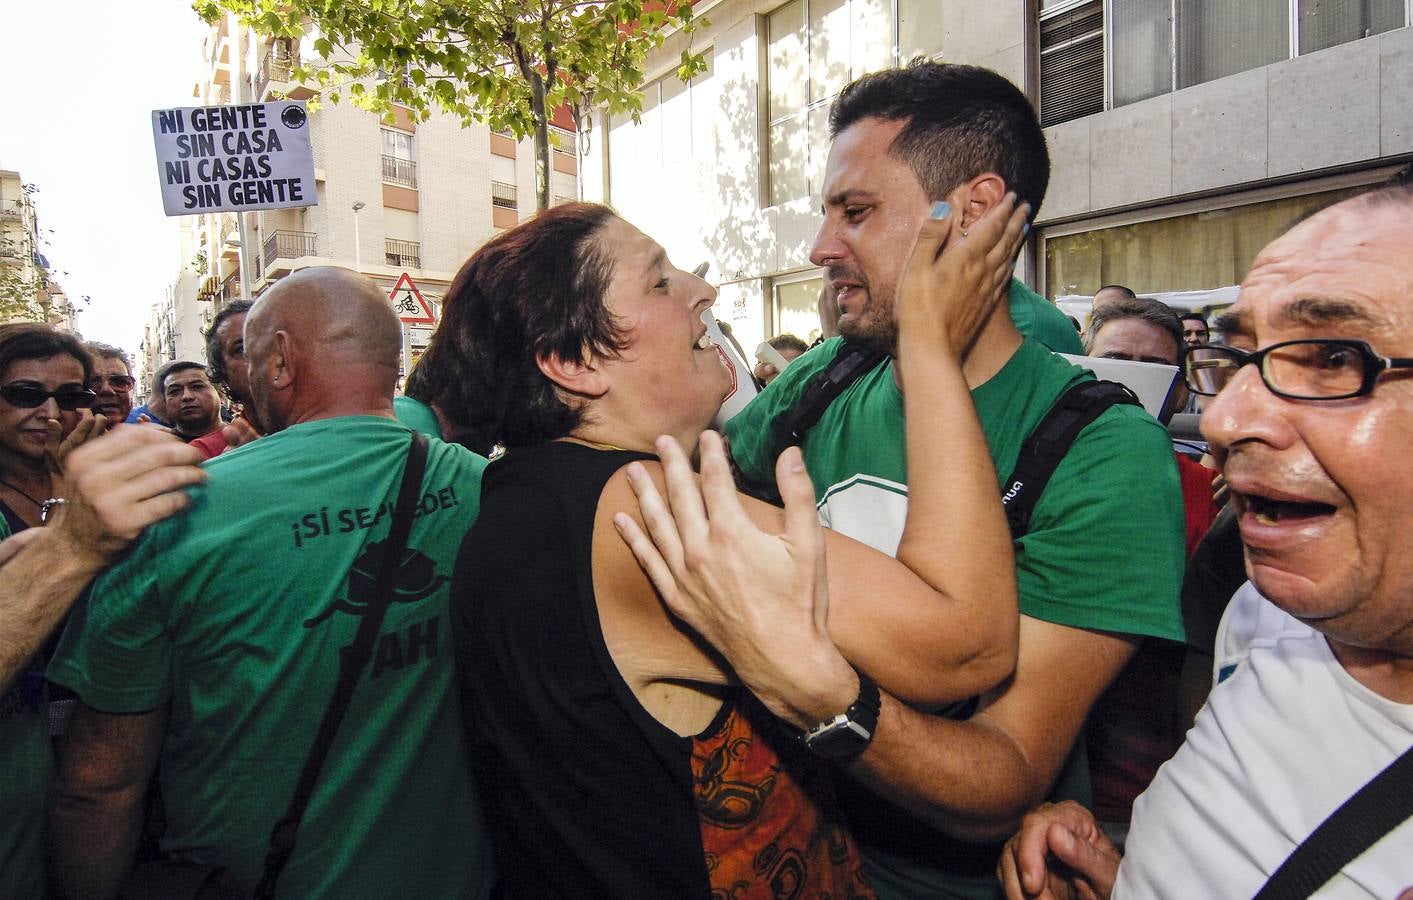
x=585, y=793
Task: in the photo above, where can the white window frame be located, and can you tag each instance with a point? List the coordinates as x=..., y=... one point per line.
x=1292, y=37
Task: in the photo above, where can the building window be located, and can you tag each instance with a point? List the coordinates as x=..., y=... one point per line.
x=795, y=306
x=399, y=166
x=503, y=195
x=1191, y=252
x=1072, y=62
x=813, y=49
x=1158, y=46
x=1325, y=23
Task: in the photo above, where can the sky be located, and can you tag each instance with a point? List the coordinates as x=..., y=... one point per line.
x=78, y=82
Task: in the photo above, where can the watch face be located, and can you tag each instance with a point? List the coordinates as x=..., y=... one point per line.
x=841, y=740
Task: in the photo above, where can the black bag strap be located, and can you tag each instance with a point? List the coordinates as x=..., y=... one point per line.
x=1047, y=445
x=1376, y=809
x=353, y=659
x=851, y=362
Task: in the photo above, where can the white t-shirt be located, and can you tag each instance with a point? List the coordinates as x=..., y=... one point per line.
x=1283, y=741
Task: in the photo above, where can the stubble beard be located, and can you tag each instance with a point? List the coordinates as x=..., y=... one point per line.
x=872, y=328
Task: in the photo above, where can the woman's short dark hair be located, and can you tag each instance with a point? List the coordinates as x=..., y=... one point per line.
x=29, y=340
x=532, y=292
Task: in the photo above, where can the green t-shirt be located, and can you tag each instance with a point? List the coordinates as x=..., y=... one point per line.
x=1104, y=549
x=417, y=415
x=1036, y=317
x=26, y=767
x=232, y=615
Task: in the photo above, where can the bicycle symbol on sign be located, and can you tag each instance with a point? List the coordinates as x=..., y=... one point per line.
x=407, y=305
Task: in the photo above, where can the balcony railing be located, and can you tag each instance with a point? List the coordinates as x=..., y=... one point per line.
x=568, y=141
x=403, y=254
x=503, y=195
x=289, y=245
x=276, y=66
x=399, y=171
x=230, y=289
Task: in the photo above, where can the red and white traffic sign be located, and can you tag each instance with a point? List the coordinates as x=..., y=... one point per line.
x=408, y=303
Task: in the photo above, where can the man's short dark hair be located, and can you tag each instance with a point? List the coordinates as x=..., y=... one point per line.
x=170, y=369
x=98, y=351
x=215, y=359
x=29, y=340
x=1194, y=316
x=1145, y=308
x=963, y=121
x=788, y=342
x=1122, y=289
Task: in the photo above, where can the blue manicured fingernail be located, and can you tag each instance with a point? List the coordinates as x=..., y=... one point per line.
x=941, y=209
x=1025, y=229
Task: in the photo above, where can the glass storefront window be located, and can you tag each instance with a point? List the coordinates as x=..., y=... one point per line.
x=1199, y=251
x=797, y=309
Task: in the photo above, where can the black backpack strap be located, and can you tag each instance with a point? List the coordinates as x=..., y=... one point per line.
x=1047, y=445
x=1376, y=809
x=849, y=364
x=353, y=659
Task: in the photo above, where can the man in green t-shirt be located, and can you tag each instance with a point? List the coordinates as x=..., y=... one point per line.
x=214, y=647
x=1101, y=563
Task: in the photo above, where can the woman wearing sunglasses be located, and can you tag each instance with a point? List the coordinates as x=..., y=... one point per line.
x=43, y=373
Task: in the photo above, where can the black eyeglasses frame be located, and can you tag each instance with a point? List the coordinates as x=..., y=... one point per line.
x=1374, y=364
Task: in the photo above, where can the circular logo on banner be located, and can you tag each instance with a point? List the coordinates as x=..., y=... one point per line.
x=294, y=116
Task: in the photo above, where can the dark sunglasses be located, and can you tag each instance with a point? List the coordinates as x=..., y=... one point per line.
x=116, y=382
x=28, y=396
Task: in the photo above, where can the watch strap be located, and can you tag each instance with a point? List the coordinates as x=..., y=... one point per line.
x=846, y=735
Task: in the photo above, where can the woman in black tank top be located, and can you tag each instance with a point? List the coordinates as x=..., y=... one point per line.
x=614, y=752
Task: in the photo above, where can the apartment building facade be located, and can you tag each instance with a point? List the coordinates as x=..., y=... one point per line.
x=25, y=277
x=1184, y=134
x=395, y=195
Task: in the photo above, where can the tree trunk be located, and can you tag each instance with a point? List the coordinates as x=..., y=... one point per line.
x=542, y=160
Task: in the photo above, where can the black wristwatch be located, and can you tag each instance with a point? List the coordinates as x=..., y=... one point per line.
x=843, y=737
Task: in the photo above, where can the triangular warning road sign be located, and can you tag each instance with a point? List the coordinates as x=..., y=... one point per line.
x=408, y=303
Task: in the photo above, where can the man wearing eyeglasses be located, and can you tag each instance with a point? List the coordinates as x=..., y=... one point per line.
x=111, y=381
x=1311, y=418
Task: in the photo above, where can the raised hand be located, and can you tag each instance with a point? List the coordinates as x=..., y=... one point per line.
x=760, y=599
x=57, y=446
x=1059, y=853
x=953, y=280
x=119, y=485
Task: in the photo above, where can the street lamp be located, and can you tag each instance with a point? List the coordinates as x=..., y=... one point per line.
x=357, y=244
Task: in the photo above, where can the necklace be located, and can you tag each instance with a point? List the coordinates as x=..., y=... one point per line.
x=21, y=493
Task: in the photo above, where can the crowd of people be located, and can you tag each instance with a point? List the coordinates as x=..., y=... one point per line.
x=288, y=632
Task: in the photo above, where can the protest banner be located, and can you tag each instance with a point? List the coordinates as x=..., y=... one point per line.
x=234, y=158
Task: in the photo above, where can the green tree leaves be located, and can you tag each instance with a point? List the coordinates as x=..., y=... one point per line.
x=506, y=63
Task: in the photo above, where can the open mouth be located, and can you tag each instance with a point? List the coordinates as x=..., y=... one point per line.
x=704, y=342
x=1268, y=511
